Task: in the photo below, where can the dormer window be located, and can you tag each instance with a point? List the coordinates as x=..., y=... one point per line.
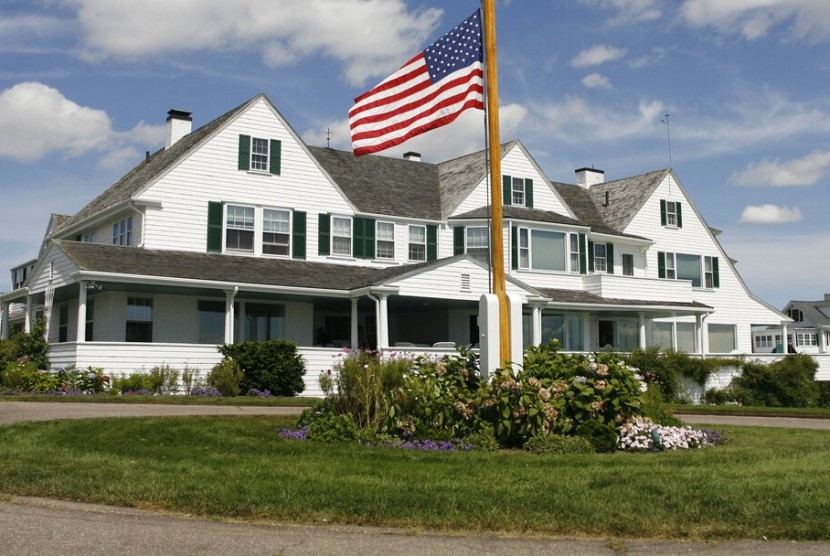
x=670, y=215
x=260, y=155
x=122, y=232
x=517, y=191
x=518, y=199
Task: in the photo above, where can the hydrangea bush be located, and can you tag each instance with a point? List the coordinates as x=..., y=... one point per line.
x=641, y=433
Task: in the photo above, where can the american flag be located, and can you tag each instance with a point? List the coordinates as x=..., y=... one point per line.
x=428, y=91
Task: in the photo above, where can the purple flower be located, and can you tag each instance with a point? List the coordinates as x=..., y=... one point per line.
x=294, y=434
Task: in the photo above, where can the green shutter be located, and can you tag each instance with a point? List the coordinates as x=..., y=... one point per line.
x=514, y=248
x=529, y=193
x=324, y=234
x=609, y=254
x=590, y=256
x=679, y=217
x=275, y=162
x=583, y=254
x=662, y=212
x=214, y=227
x=432, y=242
x=715, y=273
x=363, y=238
x=298, y=235
x=244, y=152
x=458, y=240
x=661, y=264
x=506, y=191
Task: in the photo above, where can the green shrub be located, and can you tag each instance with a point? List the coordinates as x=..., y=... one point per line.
x=274, y=365
x=788, y=382
x=655, y=409
x=482, y=441
x=32, y=346
x=25, y=376
x=164, y=380
x=602, y=437
x=226, y=376
x=132, y=383
x=328, y=427
x=91, y=380
x=558, y=444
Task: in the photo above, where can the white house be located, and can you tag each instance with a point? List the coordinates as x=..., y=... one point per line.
x=240, y=231
x=808, y=333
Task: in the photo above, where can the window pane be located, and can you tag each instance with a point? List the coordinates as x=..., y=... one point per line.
x=264, y=322
x=417, y=243
x=661, y=334
x=721, y=338
x=628, y=264
x=628, y=334
x=211, y=322
x=688, y=268
x=385, y=231
x=575, y=342
x=518, y=190
x=553, y=327
x=686, y=340
x=341, y=241
x=259, y=154
x=548, y=250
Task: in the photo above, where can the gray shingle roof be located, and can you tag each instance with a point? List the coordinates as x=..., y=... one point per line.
x=143, y=174
x=521, y=213
x=812, y=314
x=586, y=298
x=625, y=197
x=187, y=265
x=382, y=185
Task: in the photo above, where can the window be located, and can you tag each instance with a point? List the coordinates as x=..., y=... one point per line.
x=670, y=214
x=686, y=337
x=264, y=322
x=661, y=334
x=385, y=238
x=688, y=268
x=708, y=274
x=600, y=258
x=670, y=270
x=18, y=277
x=541, y=249
x=239, y=228
x=259, y=154
x=90, y=319
x=721, y=338
x=417, y=243
x=63, y=323
x=139, y=319
x=211, y=322
x=574, y=252
x=478, y=243
x=806, y=339
x=122, y=232
x=628, y=264
x=276, y=232
x=88, y=238
x=341, y=236
x=518, y=192
x=795, y=314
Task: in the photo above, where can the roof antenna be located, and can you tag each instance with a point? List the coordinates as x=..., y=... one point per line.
x=328, y=138
x=668, y=136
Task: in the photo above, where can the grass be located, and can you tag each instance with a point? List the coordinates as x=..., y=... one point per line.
x=765, y=482
x=805, y=412
x=171, y=400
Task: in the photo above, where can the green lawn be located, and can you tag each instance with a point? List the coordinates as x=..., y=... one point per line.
x=765, y=482
x=805, y=412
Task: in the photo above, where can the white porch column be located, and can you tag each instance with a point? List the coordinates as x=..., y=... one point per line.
x=355, y=341
x=784, y=342
x=536, y=328
x=642, y=317
x=699, y=334
x=230, y=295
x=5, y=307
x=80, y=333
x=821, y=332
x=587, y=340
x=383, y=320
x=27, y=323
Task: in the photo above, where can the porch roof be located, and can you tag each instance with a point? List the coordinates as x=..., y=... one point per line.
x=125, y=262
x=587, y=300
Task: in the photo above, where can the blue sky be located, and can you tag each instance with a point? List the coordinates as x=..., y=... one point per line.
x=85, y=86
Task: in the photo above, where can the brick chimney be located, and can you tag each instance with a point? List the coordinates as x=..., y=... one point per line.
x=179, y=124
x=586, y=177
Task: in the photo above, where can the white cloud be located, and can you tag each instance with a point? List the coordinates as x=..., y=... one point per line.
x=26, y=33
x=769, y=214
x=807, y=170
x=596, y=81
x=810, y=19
x=628, y=11
x=370, y=37
x=37, y=120
x=596, y=55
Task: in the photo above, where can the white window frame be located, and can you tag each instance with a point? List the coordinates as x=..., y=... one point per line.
x=343, y=247
x=523, y=243
x=671, y=214
x=242, y=224
x=629, y=265
x=385, y=240
x=277, y=227
x=477, y=242
x=260, y=159
x=573, y=252
x=414, y=242
x=708, y=273
x=601, y=261
x=122, y=232
x=671, y=267
x=517, y=192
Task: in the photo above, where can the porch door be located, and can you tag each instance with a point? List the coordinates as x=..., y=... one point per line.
x=606, y=334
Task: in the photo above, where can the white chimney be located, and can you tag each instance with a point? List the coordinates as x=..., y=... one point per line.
x=415, y=157
x=586, y=177
x=179, y=124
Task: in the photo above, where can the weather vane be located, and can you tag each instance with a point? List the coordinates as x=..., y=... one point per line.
x=328, y=138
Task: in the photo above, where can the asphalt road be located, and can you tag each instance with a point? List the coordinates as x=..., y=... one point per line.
x=40, y=526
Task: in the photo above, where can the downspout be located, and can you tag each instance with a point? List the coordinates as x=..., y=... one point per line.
x=131, y=205
x=700, y=333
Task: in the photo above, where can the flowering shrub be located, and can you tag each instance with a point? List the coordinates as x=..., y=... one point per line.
x=259, y=393
x=643, y=434
x=205, y=392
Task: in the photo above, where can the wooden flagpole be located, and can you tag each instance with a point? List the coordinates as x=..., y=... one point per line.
x=496, y=235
